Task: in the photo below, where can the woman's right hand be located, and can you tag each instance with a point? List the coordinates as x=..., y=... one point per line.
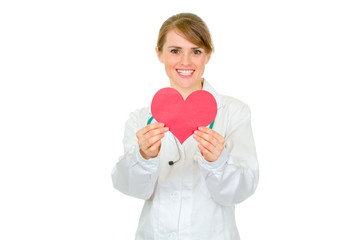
x=149, y=139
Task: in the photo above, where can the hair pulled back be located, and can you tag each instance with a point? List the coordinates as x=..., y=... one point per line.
x=192, y=27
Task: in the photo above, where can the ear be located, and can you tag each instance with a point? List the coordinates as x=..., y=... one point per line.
x=208, y=56
x=159, y=54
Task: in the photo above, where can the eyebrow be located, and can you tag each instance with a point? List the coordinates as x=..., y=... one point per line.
x=176, y=47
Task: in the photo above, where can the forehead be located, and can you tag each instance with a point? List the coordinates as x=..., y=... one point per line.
x=175, y=38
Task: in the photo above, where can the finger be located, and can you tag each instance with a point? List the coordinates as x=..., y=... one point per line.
x=156, y=131
x=152, y=140
x=204, y=143
x=213, y=138
x=154, y=149
x=210, y=143
x=212, y=132
x=147, y=140
x=154, y=135
x=205, y=153
x=150, y=127
x=206, y=136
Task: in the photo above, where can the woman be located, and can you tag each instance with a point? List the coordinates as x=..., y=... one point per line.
x=213, y=170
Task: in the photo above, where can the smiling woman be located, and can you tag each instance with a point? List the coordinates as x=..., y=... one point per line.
x=184, y=46
x=210, y=171
x=184, y=62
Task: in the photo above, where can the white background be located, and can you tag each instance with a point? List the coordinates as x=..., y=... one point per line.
x=72, y=71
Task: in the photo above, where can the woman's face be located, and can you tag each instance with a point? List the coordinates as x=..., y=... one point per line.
x=184, y=62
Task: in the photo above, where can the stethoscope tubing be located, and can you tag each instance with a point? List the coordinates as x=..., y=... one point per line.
x=177, y=144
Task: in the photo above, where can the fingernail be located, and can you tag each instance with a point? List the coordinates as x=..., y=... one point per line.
x=196, y=131
x=161, y=124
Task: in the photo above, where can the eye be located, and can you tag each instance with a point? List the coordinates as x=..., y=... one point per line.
x=197, y=52
x=174, y=51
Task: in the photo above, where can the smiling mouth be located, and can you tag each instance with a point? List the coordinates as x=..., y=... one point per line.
x=185, y=72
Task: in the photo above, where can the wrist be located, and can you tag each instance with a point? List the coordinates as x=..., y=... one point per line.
x=145, y=156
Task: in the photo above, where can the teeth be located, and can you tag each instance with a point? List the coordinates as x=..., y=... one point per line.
x=185, y=72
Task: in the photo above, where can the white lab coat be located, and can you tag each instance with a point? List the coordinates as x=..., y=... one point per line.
x=192, y=199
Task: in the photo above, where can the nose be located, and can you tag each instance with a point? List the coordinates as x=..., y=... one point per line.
x=186, y=59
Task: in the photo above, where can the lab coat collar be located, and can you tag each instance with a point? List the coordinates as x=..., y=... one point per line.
x=210, y=89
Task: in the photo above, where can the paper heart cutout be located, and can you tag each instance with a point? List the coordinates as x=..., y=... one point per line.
x=183, y=117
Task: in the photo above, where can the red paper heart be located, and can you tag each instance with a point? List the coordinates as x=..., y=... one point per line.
x=183, y=117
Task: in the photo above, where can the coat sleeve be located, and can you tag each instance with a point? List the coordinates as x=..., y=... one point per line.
x=233, y=177
x=133, y=175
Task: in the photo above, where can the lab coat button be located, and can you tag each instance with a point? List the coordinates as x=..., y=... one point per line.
x=172, y=236
x=174, y=195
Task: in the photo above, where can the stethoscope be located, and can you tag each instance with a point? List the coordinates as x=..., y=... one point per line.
x=176, y=141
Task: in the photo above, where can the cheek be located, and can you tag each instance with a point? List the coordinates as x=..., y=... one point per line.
x=170, y=61
x=201, y=63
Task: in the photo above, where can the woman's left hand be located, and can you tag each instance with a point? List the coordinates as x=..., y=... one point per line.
x=211, y=143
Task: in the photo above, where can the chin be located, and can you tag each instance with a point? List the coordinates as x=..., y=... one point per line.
x=185, y=83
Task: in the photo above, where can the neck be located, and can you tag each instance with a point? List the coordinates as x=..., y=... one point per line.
x=185, y=92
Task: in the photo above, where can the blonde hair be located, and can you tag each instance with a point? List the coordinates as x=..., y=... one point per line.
x=191, y=26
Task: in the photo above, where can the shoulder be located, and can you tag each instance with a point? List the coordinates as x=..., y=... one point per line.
x=139, y=117
x=225, y=103
x=141, y=112
x=233, y=105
